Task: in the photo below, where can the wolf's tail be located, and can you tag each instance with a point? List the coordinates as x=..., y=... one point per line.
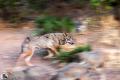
x=25, y=43
x=27, y=40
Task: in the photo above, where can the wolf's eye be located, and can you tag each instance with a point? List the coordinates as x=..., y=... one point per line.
x=70, y=40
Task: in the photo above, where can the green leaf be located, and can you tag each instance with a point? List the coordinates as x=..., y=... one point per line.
x=64, y=56
x=55, y=24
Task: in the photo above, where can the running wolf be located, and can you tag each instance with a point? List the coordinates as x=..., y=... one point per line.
x=51, y=42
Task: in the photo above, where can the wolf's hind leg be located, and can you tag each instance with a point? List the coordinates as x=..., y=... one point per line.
x=26, y=56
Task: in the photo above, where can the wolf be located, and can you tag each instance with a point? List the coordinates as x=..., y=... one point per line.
x=51, y=42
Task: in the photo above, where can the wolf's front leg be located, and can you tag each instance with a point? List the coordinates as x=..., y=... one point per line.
x=53, y=50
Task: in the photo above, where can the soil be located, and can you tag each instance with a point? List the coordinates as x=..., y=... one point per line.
x=10, y=40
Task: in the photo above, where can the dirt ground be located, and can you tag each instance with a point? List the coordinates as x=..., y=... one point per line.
x=10, y=40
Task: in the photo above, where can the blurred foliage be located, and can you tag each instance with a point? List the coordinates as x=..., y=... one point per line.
x=77, y=3
x=8, y=3
x=48, y=24
x=13, y=9
x=9, y=9
x=103, y=3
x=43, y=4
x=107, y=5
x=38, y=4
x=66, y=56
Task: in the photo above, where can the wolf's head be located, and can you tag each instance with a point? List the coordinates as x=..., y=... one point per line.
x=68, y=38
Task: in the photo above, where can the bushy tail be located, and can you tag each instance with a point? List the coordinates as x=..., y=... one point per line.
x=27, y=40
x=25, y=44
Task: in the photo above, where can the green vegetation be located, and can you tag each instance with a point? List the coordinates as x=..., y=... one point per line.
x=9, y=9
x=102, y=6
x=66, y=56
x=102, y=3
x=50, y=24
x=14, y=10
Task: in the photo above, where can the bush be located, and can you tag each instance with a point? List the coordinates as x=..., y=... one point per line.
x=102, y=3
x=50, y=24
x=67, y=56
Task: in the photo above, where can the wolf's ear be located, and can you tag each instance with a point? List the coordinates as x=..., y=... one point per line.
x=65, y=34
